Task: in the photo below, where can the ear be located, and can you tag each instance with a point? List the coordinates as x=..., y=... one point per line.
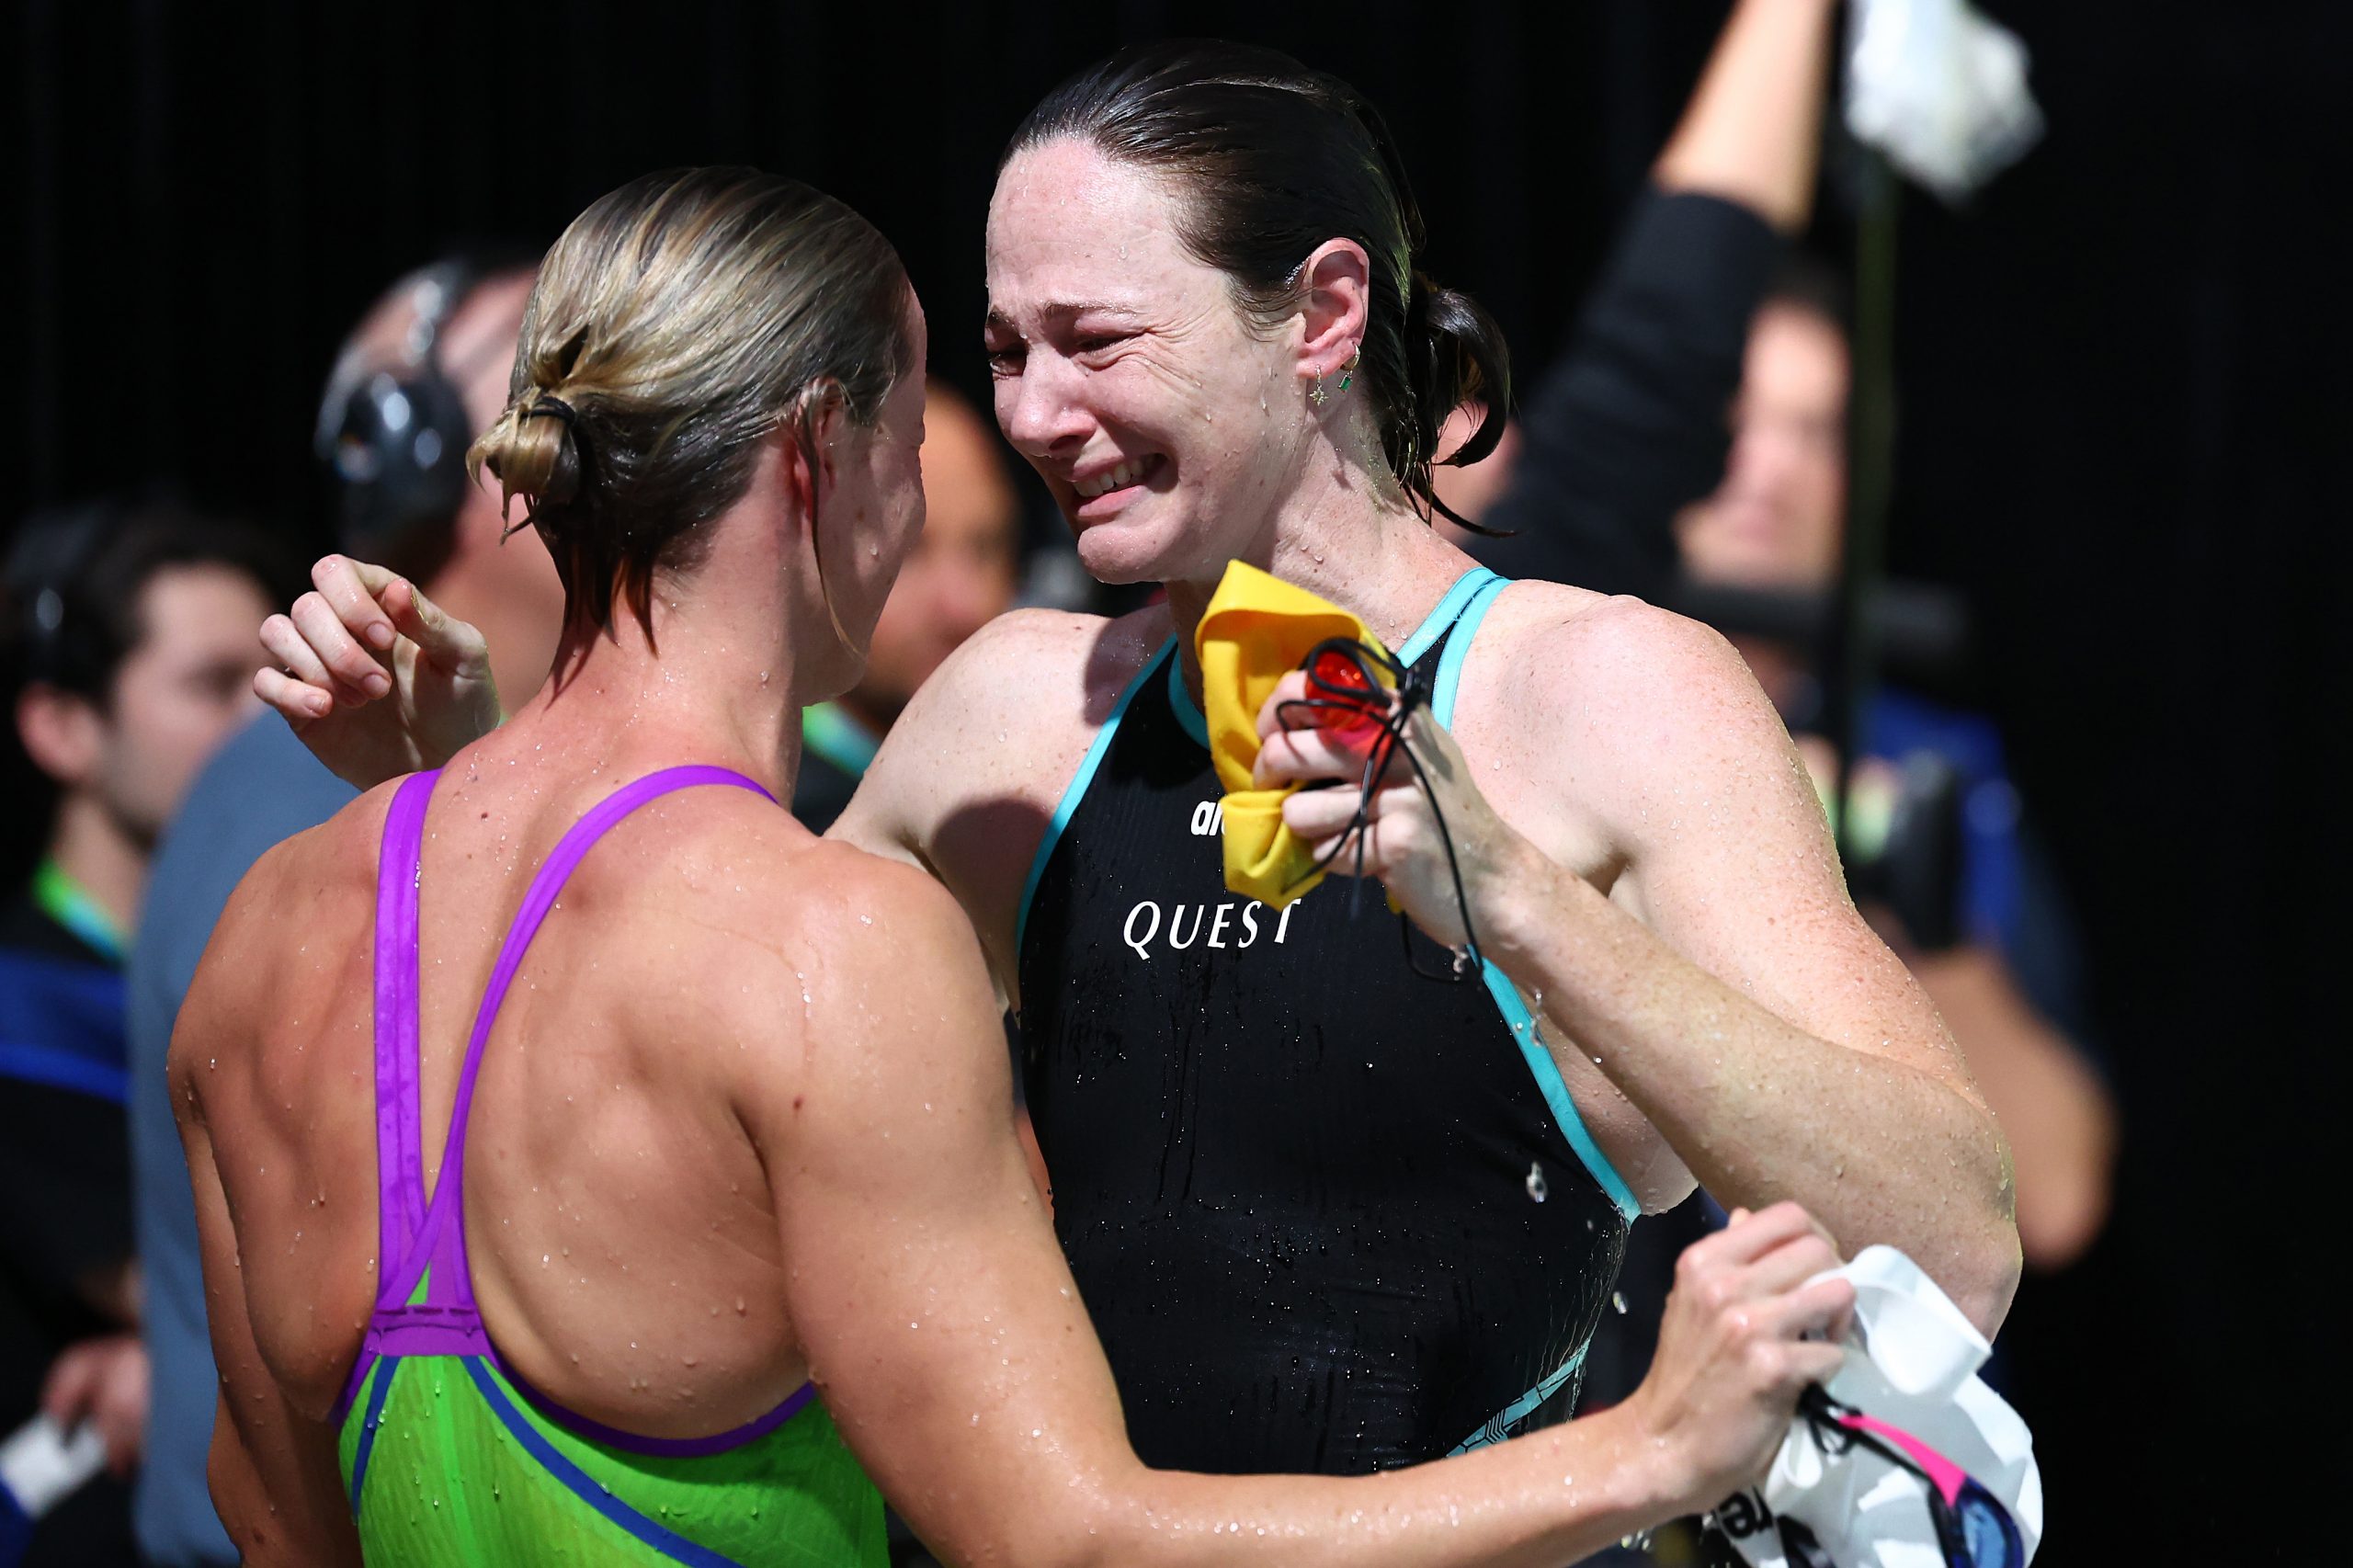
x=811, y=437
x=62, y=732
x=1335, y=307
x=809, y=448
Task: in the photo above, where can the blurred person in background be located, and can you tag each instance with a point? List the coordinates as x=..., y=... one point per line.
x=424, y=368
x=963, y=573
x=2002, y=968
x=1627, y=425
x=128, y=649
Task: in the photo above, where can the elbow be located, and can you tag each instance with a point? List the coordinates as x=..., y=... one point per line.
x=1136, y=1517
x=1086, y=1527
x=1987, y=1262
x=1988, y=1278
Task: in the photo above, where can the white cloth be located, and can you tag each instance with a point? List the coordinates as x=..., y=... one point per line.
x=40, y=1462
x=1940, y=90
x=1911, y=1361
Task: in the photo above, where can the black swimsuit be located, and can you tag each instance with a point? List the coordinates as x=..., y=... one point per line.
x=1328, y=1215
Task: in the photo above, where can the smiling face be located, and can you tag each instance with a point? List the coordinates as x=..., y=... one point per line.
x=1166, y=424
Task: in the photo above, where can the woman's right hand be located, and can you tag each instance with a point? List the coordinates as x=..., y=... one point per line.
x=1743, y=1335
x=363, y=635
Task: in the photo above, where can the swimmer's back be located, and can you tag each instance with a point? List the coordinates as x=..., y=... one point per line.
x=624, y=1246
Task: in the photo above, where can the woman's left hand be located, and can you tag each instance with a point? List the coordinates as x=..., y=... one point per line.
x=1404, y=846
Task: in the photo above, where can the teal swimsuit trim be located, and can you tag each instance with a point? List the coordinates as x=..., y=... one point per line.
x=1077, y=787
x=1509, y=1001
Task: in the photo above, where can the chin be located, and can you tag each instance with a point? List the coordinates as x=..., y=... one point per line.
x=1120, y=553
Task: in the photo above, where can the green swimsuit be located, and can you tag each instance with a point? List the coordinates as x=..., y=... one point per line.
x=448, y=1455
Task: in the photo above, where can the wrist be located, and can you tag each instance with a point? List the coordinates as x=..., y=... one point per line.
x=1521, y=896
x=1642, y=1481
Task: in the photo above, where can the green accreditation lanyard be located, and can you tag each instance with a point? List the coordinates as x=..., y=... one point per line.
x=838, y=738
x=61, y=899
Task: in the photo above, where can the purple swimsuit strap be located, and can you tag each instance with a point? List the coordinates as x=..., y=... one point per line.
x=438, y=1241
x=400, y=1171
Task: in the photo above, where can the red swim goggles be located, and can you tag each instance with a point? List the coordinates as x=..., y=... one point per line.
x=1364, y=697
x=1973, y=1528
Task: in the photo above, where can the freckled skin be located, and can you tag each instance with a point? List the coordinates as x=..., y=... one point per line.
x=1645, y=851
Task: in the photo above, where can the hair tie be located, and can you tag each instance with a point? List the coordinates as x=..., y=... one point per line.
x=548, y=405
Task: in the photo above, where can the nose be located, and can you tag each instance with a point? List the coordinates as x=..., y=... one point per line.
x=1039, y=410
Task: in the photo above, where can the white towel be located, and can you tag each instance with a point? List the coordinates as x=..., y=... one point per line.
x=1911, y=1361
x=1940, y=90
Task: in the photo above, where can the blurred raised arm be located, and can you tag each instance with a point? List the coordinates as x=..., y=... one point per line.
x=1753, y=131
x=1628, y=425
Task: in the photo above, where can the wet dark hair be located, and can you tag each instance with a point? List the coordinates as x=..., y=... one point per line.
x=1270, y=160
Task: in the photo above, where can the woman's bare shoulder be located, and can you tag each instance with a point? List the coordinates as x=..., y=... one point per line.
x=288, y=930
x=1043, y=666
x=1004, y=719
x=1554, y=639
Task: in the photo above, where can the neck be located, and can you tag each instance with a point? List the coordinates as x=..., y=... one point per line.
x=624, y=705
x=517, y=621
x=1347, y=537
x=100, y=856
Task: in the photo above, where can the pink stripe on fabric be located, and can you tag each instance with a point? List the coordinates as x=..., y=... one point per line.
x=1947, y=1476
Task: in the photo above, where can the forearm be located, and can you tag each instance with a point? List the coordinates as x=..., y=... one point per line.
x=294, y=1526
x=1758, y=1108
x=1753, y=131
x=1537, y=1501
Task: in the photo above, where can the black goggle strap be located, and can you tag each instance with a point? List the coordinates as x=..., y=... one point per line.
x=1387, y=710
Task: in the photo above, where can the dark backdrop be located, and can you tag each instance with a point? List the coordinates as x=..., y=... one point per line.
x=2123, y=381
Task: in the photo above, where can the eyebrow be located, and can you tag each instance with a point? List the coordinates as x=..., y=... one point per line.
x=998, y=320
